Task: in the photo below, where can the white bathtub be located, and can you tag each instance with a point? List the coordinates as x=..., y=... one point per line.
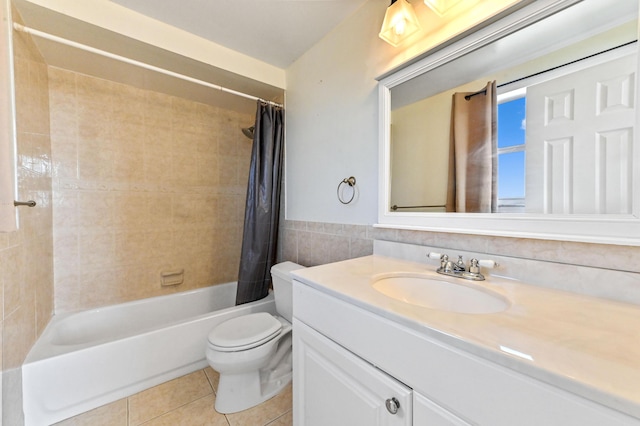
x=87, y=359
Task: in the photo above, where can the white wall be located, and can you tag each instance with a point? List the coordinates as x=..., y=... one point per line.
x=332, y=109
x=331, y=121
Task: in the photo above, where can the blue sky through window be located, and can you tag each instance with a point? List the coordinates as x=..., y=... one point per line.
x=511, y=132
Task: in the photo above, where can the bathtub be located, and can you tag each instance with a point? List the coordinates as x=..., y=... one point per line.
x=87, y=359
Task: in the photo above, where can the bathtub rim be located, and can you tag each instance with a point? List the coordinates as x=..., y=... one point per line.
x=99, y=386
x=44, y=349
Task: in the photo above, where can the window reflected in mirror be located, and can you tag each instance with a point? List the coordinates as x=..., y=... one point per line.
x=511, y=151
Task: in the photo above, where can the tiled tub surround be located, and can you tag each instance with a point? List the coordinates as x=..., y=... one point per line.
x=585, y=345
x=26, y=256
x=143, y=182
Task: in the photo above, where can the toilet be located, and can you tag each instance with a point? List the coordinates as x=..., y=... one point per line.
x=252, y=352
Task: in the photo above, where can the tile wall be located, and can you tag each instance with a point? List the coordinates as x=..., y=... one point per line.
x=143, y=183
x=315, y=243
x=26, y=256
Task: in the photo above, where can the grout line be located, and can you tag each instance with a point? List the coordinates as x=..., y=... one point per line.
x=213, y=388
x=275, y=419
x=175, y=409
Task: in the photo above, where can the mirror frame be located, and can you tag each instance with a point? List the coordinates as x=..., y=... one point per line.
x=603, y=229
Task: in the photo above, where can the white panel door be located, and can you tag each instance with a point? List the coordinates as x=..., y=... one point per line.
x=335, y=387
x=579, y=133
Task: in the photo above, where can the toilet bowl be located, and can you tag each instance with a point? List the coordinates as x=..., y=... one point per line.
x=252, y=352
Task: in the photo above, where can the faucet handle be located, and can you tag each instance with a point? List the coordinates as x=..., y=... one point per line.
x=488, y=263
x=475, y=264
x=443, y=258
x=434, y=255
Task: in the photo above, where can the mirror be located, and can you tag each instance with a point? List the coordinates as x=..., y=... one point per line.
x=550, y=183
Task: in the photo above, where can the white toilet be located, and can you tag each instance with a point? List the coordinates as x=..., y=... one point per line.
x=252, y=352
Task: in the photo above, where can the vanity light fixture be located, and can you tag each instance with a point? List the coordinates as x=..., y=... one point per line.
x=440, y=7
x=400, y=21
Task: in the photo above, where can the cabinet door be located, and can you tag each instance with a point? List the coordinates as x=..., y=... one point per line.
x=335, y=387
x=428, y=413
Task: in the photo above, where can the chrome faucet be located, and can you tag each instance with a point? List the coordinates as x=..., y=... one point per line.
x=459, y=269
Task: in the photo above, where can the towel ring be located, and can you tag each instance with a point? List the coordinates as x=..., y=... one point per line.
x=351, y=181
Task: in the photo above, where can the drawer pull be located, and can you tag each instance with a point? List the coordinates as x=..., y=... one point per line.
x=393, y=405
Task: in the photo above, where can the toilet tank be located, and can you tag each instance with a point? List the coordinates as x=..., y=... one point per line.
x=283, y=289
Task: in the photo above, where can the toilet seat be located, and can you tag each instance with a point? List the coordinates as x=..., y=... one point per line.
x=244, y=332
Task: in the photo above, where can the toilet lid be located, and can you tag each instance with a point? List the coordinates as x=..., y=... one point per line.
x=245, y=332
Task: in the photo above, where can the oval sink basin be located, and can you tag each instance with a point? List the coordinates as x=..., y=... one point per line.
x=442, y=295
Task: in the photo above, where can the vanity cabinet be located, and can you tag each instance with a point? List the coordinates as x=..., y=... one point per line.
x=335, y=387
x=348, y=360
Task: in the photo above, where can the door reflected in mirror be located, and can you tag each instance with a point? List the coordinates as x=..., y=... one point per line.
x=565, y=128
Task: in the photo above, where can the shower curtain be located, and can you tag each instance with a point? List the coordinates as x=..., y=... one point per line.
x=259, y=239
x=473, y=163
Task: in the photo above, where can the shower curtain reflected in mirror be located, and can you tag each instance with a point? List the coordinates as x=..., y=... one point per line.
x=473, y=164
x=259, y=239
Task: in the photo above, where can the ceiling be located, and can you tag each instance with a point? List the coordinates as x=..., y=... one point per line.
x=274, y=31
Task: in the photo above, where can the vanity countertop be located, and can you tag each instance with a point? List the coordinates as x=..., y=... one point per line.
x=585, y=345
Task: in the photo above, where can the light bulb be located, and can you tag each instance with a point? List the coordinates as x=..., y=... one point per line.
x=399, y=26
x=400, y=21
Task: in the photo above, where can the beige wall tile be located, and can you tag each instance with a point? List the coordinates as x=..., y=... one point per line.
x=141, y=186
x=288, y=245
x=360, y=247
x=12, y=274
x=18, y=335
x=26, y=256
x=309, y=242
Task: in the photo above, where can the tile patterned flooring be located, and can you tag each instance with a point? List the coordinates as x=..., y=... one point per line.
x=188, y=401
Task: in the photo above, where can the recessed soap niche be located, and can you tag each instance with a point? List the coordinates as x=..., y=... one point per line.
x=171, y=278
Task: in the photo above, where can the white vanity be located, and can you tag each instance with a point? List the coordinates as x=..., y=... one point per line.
x=547, y=357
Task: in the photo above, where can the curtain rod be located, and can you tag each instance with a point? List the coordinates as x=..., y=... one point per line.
x=484, y=91
x=396, y=207
x=51, y=37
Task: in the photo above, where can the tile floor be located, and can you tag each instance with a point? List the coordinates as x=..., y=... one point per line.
x=188, y=401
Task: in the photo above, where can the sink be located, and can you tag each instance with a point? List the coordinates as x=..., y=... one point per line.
x=430, y=292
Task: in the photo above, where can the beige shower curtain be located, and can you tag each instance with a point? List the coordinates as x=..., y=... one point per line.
x=473, y=163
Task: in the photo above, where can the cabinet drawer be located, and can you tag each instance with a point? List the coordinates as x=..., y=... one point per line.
x=335, y=387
